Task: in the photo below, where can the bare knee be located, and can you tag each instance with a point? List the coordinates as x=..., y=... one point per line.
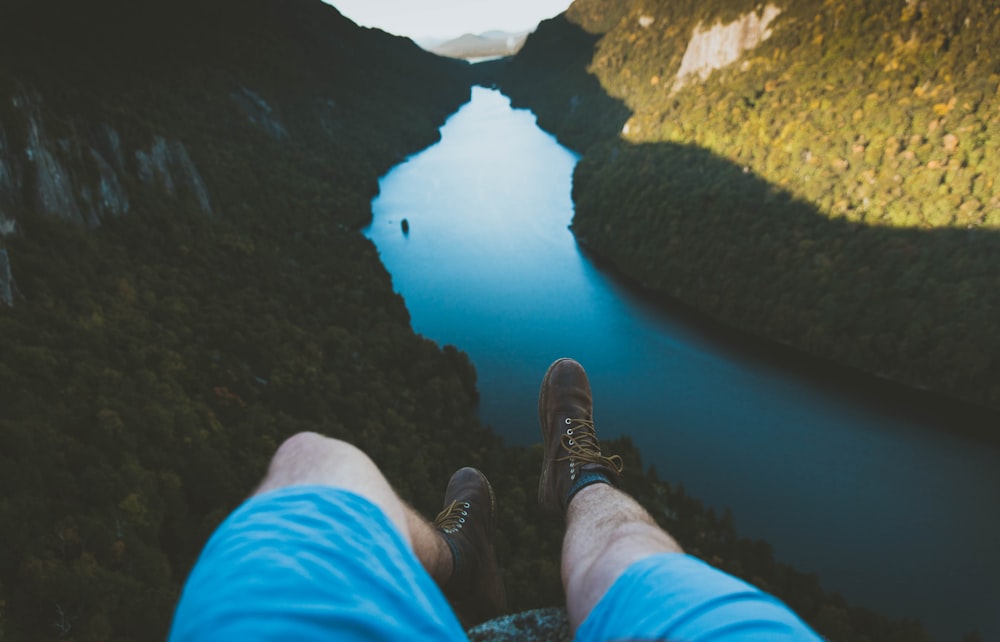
x=302, y=440
x=308, y=459
x=311, y=458
x=312, y=445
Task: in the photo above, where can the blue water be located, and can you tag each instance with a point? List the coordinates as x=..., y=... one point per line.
x=884, y=507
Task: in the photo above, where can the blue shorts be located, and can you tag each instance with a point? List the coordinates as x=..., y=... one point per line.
x=677, y=597
x=311, y=563
x=307, y=563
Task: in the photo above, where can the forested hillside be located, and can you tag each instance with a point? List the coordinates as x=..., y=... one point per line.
x=819, y=173
x=182, y=187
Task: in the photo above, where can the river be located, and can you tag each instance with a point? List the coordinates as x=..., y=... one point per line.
x=869, y=493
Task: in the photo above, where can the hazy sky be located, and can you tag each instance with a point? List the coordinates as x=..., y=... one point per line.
x=448, y=18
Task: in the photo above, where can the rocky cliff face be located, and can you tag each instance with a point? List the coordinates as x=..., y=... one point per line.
x=718, y=45
x=79, y=169
x=85, y=174
x=81, y=174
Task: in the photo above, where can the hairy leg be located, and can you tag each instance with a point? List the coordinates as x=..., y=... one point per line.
x=606, y=532
x=310, y=458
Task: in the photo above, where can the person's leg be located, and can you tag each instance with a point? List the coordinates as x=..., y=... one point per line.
x=312, y=459
x=606, y=532
x=456, y=550
x=625, y=577
x=321, y=540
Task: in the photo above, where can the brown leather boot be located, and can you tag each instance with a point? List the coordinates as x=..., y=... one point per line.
x=467, y=524
x=573, y=458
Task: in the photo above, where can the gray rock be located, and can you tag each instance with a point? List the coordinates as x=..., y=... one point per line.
x=111, y=147
x=8, y=226
x=715, y=46
x=57, y=166
x=6, y=280
x=168, y=164
x=540, y=625
x=10, y=174
x=154, y=166
x=259, y=112
x=183, y=164
x=111, y=198
x=83, y=182
x=54, y=194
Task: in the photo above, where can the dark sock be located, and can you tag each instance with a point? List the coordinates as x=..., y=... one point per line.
x=585, y=479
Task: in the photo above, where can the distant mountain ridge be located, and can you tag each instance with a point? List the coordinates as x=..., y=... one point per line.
x=490, y=43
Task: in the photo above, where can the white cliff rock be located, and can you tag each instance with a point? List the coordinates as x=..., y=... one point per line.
x=719, y=45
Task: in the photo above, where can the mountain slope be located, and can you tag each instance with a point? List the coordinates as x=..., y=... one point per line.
x=817, y=173
x=183, y=186
x=181, y=191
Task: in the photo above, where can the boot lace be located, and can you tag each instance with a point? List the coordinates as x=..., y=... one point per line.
x=452, y=518
x=581, y=445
